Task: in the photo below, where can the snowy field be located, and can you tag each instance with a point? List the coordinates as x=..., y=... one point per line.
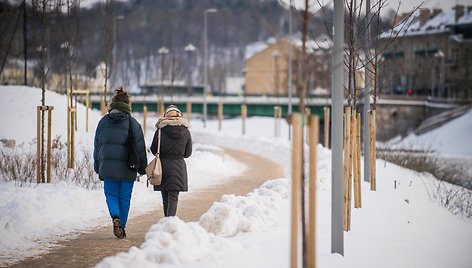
x=451, y=139
x=399, y=227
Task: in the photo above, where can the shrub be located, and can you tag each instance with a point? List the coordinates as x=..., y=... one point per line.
x=19, y=165
x=457, y=200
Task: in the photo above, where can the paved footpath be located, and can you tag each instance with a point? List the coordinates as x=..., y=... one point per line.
x=88, y=249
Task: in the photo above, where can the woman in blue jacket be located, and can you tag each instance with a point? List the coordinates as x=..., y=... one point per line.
x=111, y=158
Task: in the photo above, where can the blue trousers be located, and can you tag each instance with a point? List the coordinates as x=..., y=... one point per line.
x=118, y=195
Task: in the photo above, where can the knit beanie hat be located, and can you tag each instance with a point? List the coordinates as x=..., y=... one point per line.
x=171, y=108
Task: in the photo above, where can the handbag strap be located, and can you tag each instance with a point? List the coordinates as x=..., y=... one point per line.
x=158, y=142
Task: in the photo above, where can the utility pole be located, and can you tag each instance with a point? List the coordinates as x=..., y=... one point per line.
x=24, y=43
x=205, y=63
x=337, y=211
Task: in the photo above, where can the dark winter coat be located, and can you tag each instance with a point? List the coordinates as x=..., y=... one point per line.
x=110, y=154
x=176, y=144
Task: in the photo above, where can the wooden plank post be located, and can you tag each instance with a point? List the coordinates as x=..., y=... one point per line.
x=314, y=138
x=220, y=114
x=38, y=144
x=326, y=126
x=297, y=150
x=49, y=154
x=160, y=106
x=277, y=114
x=87, y=105
x=243, y=117
x=373, y=180
x=347, y=166
x=306, y=120
x=68, y=122
x=349, y=170
x=144, y=119
x=189, y=110
x=357, y=163
x=72, y=137
x=40, y=164
x=354, y=156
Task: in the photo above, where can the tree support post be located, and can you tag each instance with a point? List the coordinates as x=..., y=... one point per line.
x=313, y=138
x=220, y=114
x=326, y=126
x=297, y=150
x=243, y=117
x=40, y=163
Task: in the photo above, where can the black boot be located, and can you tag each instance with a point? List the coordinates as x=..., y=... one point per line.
x=117, y=227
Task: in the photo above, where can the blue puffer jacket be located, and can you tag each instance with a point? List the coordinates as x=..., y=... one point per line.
x=109, y=154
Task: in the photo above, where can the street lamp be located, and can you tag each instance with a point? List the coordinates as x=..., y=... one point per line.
x=162, y=52
x=114, y=65
x=276, y=55
x=190, y=48
x=205, y=63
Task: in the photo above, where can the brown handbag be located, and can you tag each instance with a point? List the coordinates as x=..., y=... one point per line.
x=154, y=168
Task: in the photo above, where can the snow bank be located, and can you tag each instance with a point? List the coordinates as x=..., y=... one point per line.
x=239, y=214
x=453, y=138
x=172, y=241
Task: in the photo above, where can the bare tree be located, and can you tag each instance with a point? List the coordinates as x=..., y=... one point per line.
x=108, y=43
x=43, y=10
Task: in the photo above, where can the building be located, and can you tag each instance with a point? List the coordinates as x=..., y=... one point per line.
x=429, y=54
x=266, y=66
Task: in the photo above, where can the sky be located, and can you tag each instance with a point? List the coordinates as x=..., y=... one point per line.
x=237, y=231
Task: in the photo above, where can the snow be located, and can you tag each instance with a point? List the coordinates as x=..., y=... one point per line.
x=453, y=138
x=322, y=42
x=40, y=215
x=396, y=227
x=438, y=24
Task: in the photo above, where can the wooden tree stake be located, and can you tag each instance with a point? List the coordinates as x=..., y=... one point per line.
x=297, y=150
x=314, y=138
x=40, y=112
x=243, y=117
x=358, y=160
x=144, y=120
x=189, y=110
x=354, y=157
x=220, y=114
x=326, y=126
x=347, y=166
x=373, y=180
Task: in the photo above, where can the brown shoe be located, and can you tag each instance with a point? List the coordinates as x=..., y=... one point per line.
x=117, y=228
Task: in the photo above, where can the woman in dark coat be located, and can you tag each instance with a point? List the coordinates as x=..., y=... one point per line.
x=111, y=158
x=176, y=144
